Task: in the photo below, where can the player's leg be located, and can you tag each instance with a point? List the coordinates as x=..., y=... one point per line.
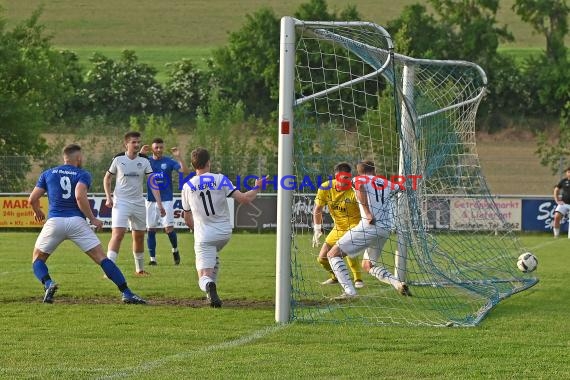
x=152, y=222
x=349, y=244
x=168, y=223
x=323, y=260
x=84, y=237
x=50, y=237
x=559, y=213
x=206, y=259
x=171, y=233
x=354, y=265
x=371, y=263
x=113, y=273
x=340, y=270
x=151, y=244
x=119, y=224
x=137, y=221
x=557, y=219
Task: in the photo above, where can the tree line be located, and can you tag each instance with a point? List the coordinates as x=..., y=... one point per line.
x=41, y=86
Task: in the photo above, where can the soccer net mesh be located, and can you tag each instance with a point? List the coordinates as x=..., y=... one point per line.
x=355, y=99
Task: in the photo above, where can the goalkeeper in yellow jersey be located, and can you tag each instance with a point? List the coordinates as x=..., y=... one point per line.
x=343, y=207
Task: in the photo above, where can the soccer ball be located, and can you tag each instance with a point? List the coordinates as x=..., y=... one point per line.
x=527, y=262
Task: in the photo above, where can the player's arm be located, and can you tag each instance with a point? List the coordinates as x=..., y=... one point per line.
x=34, y=201
x=156, y=193
x=318, y=214
x=144, y=149
x=250, y=195
x=83, y=204
x=556, y=190
x=178, y=156
x=107, y=188
x=317, y=224
x=189, y=219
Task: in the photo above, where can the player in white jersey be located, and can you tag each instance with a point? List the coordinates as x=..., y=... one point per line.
x=206, y=211
x=127, y=202
x=66, y=187
x=374, y=195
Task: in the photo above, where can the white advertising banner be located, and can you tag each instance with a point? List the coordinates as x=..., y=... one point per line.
x=480, y=214
x=103, y=213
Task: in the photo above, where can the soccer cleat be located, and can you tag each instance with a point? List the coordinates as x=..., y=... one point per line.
x=50, y=292
x=133, y=299
x=212, y=295
x=153, y=263
x=345, y=296
x=176, y=256
x=404, y=290
x=359, y=284
x=142, y=273
x=330, y=281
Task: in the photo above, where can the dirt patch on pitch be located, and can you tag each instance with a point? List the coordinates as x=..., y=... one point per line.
x=189, y=302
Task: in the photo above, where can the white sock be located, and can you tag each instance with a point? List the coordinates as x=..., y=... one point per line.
x=383, y=275
x=216, y=270
x=112, y=255
x=202, y=281
x=153, y=259
x=556, y=231
x=341, y=272
x=139, y=261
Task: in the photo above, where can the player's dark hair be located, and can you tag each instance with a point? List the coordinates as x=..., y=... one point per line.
x=366, y=167
x=342, y=167
x=70, y=149
x=158, y=140
x=568, y=168
x=200, y=158
x=132, y=134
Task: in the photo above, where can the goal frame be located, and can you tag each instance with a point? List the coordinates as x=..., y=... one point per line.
x=286, y=129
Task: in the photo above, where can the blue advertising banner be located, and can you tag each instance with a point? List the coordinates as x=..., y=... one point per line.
x=538, y=214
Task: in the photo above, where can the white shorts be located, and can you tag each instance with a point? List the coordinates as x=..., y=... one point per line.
x=75, y=228
x=129, y=215
x=363, y=236
x=563, y=209
x=207, y=253
x=153, y=218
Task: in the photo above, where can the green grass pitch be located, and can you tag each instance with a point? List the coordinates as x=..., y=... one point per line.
x=88, y=333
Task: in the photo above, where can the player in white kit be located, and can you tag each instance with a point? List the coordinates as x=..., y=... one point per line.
x=206, y=211
x=127, y=201
x=374, y=195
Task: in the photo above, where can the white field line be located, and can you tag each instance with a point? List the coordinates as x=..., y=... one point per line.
x=148, y=366
x=550, y=242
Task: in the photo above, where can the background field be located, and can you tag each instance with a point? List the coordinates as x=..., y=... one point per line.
x=88, y=333
x=169, y=30
x=196, y=23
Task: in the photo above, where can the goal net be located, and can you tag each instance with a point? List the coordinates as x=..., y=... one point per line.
x=345, y=95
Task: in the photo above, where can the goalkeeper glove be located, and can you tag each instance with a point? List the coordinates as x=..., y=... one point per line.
x=318, y=232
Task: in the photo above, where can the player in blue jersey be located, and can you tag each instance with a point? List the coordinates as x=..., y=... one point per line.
x=66, y=187
x=162, y=167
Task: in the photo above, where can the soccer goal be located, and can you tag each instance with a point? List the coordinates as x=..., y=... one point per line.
x=346, y=95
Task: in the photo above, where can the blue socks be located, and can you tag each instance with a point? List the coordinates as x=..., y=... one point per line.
x=41, y=272
x=114, y=274
x=151, y=242
x=173, y=239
